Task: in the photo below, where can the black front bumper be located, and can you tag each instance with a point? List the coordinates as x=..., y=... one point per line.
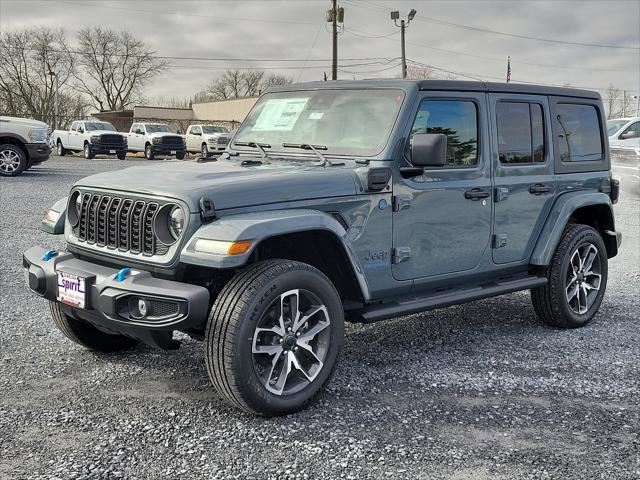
x=99, y=149
x=110, y=304
x=160, y=149
x=38, y=152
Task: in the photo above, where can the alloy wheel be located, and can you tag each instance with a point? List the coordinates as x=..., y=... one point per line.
x=9, y=161
x=583, y=278
x=290, y=342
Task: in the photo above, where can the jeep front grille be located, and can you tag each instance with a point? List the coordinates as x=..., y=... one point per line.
x=119, y=223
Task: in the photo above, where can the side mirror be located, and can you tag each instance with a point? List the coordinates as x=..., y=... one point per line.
x=429, y=150
x=178, y=132
x=138, y=131
x=80, y=130
x=627, y=135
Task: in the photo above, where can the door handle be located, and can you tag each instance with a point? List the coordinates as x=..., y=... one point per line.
x=540, y=188
x=476, y=194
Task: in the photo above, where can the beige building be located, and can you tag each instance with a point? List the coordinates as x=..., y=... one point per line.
x=228, y=113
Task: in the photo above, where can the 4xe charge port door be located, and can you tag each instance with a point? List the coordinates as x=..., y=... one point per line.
x=442, y=216
x=523, y=173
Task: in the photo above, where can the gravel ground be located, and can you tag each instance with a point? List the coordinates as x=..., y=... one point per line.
x=478, y=391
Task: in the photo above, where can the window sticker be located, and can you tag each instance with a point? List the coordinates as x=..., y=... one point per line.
x=280, y=114
x=316, y=115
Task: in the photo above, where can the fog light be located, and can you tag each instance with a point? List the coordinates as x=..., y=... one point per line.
x=144, y=307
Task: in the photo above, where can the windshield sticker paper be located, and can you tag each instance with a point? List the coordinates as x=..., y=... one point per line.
x=280, y=114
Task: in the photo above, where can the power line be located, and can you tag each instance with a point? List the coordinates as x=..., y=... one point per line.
x=495, y=32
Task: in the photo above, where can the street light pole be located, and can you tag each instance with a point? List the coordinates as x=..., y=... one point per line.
x=637, y=97
x=55, y=99
x=395, y=16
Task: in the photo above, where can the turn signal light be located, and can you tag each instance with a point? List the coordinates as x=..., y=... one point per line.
x=219, y=247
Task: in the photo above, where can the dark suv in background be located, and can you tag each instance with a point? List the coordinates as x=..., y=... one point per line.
x=359, y=200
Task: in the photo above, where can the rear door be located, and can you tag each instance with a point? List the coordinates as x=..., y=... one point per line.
x=442, y=218
x=523, y=173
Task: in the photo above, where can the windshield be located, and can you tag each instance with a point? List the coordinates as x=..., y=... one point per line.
x=212, y=129
x=157, y=128
x=346, y=122
x=90, y=127
x=614, y=125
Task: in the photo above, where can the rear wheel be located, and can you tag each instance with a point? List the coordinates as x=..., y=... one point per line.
x=148, y=152
x=577, y=279
x=274, y=336
x=87, y=335
x=60, y=150
x=88, y=154
x=13, y=160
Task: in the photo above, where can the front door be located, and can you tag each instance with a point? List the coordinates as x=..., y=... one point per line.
x=442, y=218
x=523, y=173
x=136, y=140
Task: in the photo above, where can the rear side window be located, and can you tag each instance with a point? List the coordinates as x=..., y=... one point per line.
x=520, y=132
x=458, y=120
x=579, y=138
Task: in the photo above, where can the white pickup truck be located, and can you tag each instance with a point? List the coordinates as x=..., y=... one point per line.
x=155, y=139
x=91, y=137
x=207, y=139
x=23, y=143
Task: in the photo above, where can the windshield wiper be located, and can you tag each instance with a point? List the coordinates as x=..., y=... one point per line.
x=260, y=146
x=315, y=149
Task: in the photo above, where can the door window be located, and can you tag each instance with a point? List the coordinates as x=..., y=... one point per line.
x=633, y=129
x=579, y=137
x=458, y=120
x=196, y=130
x=74, y=126
x=520, y=132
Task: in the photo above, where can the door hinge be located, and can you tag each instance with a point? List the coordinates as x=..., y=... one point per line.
x=400, y=254
x=499, y=240
x=501, y=194
x=401, y=202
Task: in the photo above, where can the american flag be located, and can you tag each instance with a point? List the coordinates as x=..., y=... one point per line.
x=508, y=69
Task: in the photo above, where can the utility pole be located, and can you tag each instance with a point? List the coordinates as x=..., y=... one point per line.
x=335, y=16
x=395, y=16
x=55, y=99
x=637, y=97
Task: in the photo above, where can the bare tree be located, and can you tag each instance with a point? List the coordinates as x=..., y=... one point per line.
x=242, y=84
x=30, y=60
x=113, y=67
x=611, y=99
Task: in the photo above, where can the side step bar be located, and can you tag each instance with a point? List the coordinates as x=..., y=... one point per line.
x=415, y=304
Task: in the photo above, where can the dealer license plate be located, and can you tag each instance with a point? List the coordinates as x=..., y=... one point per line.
x=71, y=289
x=173, y=152
x=112, y=151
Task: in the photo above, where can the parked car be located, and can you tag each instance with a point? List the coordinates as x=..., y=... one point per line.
x=91, y=137
x=207, y=139
x=335, y=201
x=624, y=132
x=156, y=139
x=23, y=144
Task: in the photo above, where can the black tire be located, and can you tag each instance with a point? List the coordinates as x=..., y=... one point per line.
x=550, y=302
x=231, y=327
x=61, y=151
x=87, y=335
x=205, y=151
x=16, y=160
x=180, y=156
x=122, y=155
x=88, y=154
x=148, y=152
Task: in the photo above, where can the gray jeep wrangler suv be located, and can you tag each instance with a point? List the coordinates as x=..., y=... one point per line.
x=336, y=201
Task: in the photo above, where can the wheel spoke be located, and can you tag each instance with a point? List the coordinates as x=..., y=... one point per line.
x=307, y=316
x=595, y=283
x=294, y=301
x=574, y=291
x=268, y=349
x=310, y=334
x=276, y=384
x=591, y=255
x=309, y=376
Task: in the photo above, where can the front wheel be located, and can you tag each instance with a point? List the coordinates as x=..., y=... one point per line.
x=88, y=154
x=148, y=152
x=13, y=160
x=577, y=279
x=205, y=151
x=180, y=156
x=86, y=334
x=122, y=155
x=274, y=336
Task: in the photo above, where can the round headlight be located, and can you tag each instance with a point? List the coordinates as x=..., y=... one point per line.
x=176, y=222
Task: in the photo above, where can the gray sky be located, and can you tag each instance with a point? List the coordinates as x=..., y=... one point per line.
x=281, y=35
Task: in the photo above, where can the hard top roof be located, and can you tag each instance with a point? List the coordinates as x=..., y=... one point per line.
x=446, y=85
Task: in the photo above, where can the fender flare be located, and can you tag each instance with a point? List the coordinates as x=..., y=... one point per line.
x=560, y=214
x=56, y=227
x=259, y=226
